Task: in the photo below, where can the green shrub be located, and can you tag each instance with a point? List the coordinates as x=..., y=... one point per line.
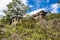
x=52, y=16
x=28, y=29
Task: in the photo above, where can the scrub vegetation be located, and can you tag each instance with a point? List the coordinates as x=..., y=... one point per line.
x=28, y=29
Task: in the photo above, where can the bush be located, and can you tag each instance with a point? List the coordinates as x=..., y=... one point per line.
x=29, y=29
x=52, y=16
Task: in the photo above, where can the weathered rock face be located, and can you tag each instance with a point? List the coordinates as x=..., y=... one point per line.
x=16, y=19
x=54, y=22
x=39, y=15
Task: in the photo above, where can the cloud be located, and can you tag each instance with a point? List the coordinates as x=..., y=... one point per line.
x=55, y=7
x=1, y=13
x=3, y=4
x=36, y=11
x=24, y=2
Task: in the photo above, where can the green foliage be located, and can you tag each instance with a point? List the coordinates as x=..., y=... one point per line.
x=6, y=20
x=16, y=7
x=28, y=29
x=53, y=16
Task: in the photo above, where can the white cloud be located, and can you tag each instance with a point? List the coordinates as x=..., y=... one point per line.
x=36, y=11
x=1, y=13
x=24, y=2
x=55, y=7
x=3, y=4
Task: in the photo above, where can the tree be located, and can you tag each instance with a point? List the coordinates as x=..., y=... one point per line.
x=16, y=7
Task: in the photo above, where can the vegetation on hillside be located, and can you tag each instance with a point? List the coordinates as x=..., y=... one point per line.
x=52, y=16
x=29, y=29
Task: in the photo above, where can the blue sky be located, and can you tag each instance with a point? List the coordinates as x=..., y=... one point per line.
x=34, y=5
x=47, y=4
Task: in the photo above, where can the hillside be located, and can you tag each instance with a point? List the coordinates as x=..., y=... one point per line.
x=29, y=29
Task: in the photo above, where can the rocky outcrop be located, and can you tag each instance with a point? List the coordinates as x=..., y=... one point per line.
x=54, y=22
x=39, y=15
